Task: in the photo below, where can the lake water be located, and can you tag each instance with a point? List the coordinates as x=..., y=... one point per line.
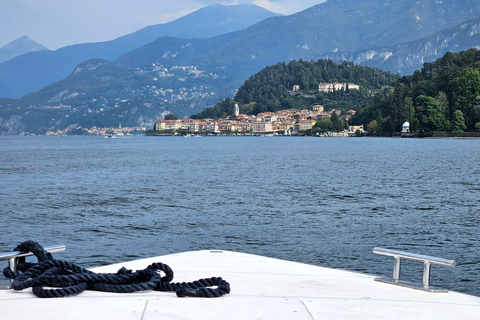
x=323, y=201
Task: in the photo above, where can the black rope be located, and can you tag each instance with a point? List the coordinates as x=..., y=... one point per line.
x=69, y=279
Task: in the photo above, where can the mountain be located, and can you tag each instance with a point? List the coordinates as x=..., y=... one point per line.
x=406, y=57
x=332, y=26
x=204, y=23
x=31, y=72
x=174, y=51
x=18, y=47
x=101, y=93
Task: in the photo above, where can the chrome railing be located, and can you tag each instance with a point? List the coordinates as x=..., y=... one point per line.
x=427, y=263
x=11, y=256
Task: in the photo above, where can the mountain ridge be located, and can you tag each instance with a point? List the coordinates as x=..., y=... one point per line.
x=329, y=27
x=406, y=57
x=18, y=47
x=33, y=71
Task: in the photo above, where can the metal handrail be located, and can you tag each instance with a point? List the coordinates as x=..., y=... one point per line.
x=11, y=256
x=427, y=263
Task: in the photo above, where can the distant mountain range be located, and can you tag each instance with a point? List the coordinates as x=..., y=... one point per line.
x=31, y=72
x=151, y=76
x=406, y=57
x=18, y=47
x=338, y=29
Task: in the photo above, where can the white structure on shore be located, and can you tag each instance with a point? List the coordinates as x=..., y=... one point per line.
x=337, y=86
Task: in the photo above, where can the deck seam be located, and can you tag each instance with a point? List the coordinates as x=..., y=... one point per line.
x=144, y=309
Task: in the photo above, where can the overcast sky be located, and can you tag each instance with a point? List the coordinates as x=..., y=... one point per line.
x=58, y=23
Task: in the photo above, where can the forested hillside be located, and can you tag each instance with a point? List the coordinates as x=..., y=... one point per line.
x=270, y=89
x=444, y=96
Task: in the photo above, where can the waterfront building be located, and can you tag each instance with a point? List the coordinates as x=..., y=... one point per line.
x=262, y=127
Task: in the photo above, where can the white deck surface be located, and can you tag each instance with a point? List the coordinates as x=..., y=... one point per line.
x=262, y=288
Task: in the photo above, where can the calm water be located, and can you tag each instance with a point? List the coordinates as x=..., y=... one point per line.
x=324, y=201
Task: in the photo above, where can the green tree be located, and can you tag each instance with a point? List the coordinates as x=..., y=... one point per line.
x=372, y=127
x=336, y=122
x=430, y=117
x=379, y=127
x=443, y=102
x=458, y=122
x=472, y=115
x=410, y=113
x=324, y=124
x=171, y=116
x=465, y=88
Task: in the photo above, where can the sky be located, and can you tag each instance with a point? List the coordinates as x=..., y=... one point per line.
x=58, y=23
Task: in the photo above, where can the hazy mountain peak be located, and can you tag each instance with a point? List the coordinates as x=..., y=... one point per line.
x=31, y=72
x=18, y=47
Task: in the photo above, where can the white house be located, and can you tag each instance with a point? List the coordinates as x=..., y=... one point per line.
x=406, y=127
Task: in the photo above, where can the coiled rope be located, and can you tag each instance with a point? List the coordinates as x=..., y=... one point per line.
x=68, y=279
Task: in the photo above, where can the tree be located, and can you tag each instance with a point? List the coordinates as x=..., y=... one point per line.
x=336, y=122
x=472, y=115
x=372, y=127
x=443, y=102
x=430, y=117
x=389, y=126
x=379, y=127
x=458, y=122
x=410, y=113
x=171, y=116
x=324, y=124
x=465, y=88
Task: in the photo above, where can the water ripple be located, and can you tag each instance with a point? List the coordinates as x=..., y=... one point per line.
x=320, y=201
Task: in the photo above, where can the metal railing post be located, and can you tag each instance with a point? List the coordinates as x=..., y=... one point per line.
x=427, y=264
x=11, y=257
x=396, y=269
x=426, y=274
x=13, y=267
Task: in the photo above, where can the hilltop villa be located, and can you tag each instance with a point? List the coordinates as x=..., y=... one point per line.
x=337, y=86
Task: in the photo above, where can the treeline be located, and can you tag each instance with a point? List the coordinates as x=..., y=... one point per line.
x=444, y=96
x=270, y=89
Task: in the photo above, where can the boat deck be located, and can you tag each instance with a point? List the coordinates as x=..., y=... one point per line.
x=261, y=288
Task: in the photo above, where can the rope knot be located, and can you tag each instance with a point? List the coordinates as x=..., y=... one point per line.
x=69, y=279
x=8, y=273
x=124, y=270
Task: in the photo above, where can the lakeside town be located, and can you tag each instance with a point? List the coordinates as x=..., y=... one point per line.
x=284, y=122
